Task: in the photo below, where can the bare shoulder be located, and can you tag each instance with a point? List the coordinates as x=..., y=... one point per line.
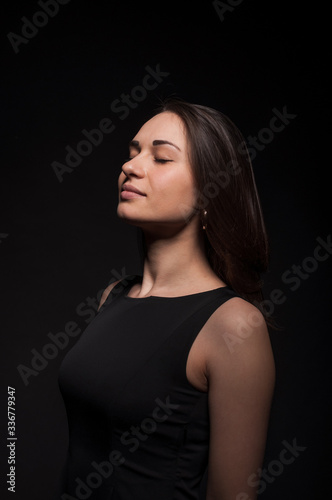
x=106, y=292
x=239, y=318
x=237, y=333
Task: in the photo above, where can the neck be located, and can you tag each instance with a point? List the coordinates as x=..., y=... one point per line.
x=175, y=261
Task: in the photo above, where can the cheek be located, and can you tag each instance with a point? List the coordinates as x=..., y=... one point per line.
x=174, y=185
x=176, y=198
x=185, y=191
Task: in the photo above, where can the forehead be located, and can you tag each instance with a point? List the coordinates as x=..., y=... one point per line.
x=164, y=126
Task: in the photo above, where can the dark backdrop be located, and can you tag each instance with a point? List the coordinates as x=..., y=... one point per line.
x=61, y=242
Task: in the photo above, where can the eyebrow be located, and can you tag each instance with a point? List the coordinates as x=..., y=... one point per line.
x=161, y=142
x=157, y=142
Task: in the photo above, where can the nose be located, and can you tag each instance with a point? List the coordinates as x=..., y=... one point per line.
x=133, y=168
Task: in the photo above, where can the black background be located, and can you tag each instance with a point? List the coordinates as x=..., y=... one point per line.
x=61, y=242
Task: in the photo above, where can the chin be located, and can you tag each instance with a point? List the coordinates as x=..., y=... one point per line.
x=123, y=214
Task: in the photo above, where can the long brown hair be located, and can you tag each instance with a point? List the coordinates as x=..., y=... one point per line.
x=235, y=236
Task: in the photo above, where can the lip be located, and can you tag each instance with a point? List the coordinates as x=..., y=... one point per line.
x=128, y=195
x=128, y=191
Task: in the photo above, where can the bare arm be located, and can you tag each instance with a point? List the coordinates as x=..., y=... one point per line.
x=241, y=374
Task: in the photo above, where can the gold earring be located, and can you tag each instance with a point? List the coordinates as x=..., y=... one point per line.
x=204, y=216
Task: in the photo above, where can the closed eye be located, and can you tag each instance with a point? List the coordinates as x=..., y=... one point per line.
x=157, y=160
x=161, y=160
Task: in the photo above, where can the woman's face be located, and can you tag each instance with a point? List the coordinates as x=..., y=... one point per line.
x=159, y=168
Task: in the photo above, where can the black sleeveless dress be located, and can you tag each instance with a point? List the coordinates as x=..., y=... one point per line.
x=138, y=430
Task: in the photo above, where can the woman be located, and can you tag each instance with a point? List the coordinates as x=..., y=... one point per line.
x=176, y=371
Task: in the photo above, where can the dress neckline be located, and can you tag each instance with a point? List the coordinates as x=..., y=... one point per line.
x=138, y=278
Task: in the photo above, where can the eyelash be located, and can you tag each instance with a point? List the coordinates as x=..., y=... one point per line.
x=158, y=160
x=161, y=160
